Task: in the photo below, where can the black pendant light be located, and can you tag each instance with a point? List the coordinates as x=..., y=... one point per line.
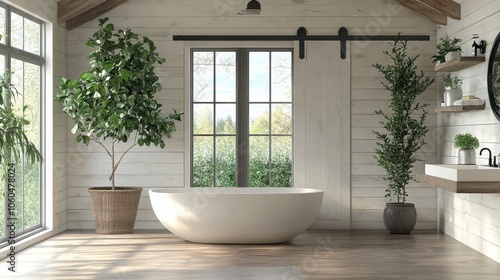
x=253, y=7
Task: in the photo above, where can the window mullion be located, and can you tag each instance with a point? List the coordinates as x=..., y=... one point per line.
x=214, y=117
x=242, y=119
x=269, y=156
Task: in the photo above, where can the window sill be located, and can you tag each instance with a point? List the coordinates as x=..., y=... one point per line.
x=27, y=242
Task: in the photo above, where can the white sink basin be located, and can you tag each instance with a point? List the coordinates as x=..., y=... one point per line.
x=463, y=173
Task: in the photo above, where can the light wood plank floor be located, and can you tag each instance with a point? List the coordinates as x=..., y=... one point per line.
x=369, y=254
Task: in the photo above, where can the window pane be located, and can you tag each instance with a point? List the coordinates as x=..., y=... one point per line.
x=17, y=68
x=20, y=198
x=203, y=119
x=32, y=36
x=17, y=76
x=269, y=116
x=226, y=118
x=26, y=78
x=259, y=161
x=281, y=157
x=2, y=224
x=281, y=118
x=32, y=171
x=259, y=76
x=225, y=70
x=281, y=86
x=203, y=161
x=31, y=94
x=17, y=35
x=203, y=76
x=26, y=34
x=32, y=195
x=2, y=25
x=2, y=65
x=259, y=119
x=225, y=163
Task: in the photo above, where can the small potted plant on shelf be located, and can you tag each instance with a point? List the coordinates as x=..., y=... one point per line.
x=467, y=145
x=404, y=134
x=114, y=102
x=453, y=89
x=447, y=49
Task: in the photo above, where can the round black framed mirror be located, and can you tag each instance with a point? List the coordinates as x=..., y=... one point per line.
x=493, y=78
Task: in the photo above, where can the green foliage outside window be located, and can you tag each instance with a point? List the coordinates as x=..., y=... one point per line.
x=264, y=169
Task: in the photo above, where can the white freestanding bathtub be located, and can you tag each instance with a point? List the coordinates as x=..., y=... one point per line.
x=236, y=215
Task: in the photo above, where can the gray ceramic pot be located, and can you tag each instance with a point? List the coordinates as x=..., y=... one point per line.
x=467, y=156
x=400, y=218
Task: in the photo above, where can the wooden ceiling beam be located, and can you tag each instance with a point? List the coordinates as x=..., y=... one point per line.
x=425, y=10
x=68, y=9
x=93, y=13
x=447, y=7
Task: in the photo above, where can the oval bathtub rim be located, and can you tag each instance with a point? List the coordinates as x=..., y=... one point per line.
x=236, y=190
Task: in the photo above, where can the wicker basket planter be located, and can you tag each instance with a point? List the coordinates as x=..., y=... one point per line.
x=114, y=210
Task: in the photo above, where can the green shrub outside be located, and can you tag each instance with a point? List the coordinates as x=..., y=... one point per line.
x=263, y=172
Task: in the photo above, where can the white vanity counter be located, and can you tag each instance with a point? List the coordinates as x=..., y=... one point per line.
x=462, y=178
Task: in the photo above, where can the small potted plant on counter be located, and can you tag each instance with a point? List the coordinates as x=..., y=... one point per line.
x=467, y=145
x=404, y=134
x=453, y=89
x=447, y=49
x=114, y=102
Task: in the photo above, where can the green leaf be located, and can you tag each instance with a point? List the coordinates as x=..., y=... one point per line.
x=109, y=27
x=107, y=66
x=87, y=76
x=74, y=129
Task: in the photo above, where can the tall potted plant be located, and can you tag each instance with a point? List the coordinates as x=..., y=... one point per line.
x=14, y=143
x=404, y=134
x=114, y=102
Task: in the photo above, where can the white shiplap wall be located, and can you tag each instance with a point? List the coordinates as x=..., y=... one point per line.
x=472, y=218
x=160, y=19
x=46, y=10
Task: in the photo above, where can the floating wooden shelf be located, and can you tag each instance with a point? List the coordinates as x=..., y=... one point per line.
x=460, y=108
x=459, y=63
x=459, y=187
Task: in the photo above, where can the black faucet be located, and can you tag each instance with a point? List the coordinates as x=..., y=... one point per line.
x=481, y=46
x=489, y=158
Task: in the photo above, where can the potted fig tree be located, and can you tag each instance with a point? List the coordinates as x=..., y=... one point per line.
x=404, y=134
x=113, y=103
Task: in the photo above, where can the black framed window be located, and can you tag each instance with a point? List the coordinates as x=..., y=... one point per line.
x=242, y=117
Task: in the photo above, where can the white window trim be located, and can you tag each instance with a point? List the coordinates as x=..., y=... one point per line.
x=49, y=227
